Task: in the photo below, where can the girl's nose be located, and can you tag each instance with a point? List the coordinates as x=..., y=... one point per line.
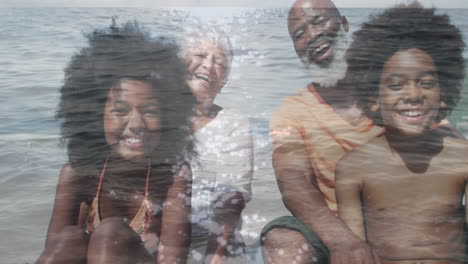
x=135, y=122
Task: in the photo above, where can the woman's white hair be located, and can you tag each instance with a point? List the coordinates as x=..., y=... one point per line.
x=197, y=31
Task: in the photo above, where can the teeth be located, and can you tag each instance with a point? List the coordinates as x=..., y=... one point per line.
x=133, y=140
x=320, y=48
x=203, y=77
x=412, y=113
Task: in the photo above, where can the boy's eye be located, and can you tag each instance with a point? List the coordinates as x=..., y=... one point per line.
x=395, y=86
x=151, y=112
x=428, y=84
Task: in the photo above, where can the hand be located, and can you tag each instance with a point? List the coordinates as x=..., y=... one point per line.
x=70, y=246
x=357, y=252
x=217, y=259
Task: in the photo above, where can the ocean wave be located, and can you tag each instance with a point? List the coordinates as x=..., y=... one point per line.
x=27, y=136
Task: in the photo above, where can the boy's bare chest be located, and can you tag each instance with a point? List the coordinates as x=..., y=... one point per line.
x=394, y=188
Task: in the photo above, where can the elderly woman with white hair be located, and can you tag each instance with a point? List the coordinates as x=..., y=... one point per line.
x=223, y=170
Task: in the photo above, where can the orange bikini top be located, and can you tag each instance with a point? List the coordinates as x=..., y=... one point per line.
x=145, y=224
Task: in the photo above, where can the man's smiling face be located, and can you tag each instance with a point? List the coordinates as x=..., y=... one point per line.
x=313, y=26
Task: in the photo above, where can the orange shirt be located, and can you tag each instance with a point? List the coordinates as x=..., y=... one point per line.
x=306, y=120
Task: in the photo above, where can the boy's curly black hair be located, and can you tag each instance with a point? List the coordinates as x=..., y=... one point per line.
x=401, y=28
x=113, y=54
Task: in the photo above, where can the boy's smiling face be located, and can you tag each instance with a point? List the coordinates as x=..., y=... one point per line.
x=409, y=93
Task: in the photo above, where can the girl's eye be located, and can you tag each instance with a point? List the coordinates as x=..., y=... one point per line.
x=395, y=86
x=119, y=111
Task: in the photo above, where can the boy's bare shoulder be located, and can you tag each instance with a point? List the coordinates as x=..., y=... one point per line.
x=456, y=149
x=456, y=144
x=367, y=153
x=363, y=159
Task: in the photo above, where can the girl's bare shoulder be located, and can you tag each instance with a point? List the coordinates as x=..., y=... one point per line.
x=77, y=182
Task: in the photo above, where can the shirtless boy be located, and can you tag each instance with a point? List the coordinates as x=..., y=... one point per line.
x=402, y=192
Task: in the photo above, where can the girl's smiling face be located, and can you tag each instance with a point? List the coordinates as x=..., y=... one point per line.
x=409, y=93
x=132, y=119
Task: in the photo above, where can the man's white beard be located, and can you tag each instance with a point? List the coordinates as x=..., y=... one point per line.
x=335, y=70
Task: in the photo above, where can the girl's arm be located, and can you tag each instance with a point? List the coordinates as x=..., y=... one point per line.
x=176, y=228
x=66, y=205
x=65, y=241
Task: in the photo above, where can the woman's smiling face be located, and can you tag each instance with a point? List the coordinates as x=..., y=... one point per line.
x=207, y=65
x=409, y=93
x=132, y=119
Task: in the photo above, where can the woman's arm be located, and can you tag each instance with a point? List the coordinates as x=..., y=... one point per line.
x=232, y=190
x=176, y=228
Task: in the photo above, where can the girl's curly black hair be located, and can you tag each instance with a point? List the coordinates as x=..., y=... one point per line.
x=113, y=54
x=401, y=28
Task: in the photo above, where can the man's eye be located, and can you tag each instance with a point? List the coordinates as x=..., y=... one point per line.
x=320, y=22
x=298, y=34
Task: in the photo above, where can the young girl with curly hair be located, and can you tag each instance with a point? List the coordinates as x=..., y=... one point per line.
x=124, y=194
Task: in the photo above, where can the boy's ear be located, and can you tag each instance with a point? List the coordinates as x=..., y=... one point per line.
x=443, y=104
x=345, y=24
x=375, y=107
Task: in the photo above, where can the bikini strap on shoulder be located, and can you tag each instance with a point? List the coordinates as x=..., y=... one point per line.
x=101, y=177
x=148, y=173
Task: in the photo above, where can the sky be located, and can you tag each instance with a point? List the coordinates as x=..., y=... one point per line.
x=221, y=3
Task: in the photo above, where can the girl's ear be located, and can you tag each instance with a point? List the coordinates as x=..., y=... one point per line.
x=375, y=107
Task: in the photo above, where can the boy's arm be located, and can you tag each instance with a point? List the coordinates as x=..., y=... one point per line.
x=176, y=228
x=348, y=195
x=303, y=198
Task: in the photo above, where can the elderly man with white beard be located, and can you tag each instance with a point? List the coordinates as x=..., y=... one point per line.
x=310, y=132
